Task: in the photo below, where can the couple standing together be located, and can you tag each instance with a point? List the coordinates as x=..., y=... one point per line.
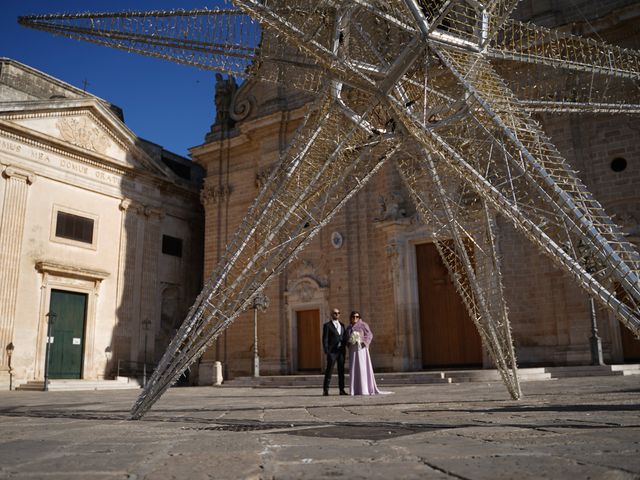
x=357, y=338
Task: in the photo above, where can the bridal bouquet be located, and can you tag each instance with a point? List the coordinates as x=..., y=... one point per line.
x=354, y=339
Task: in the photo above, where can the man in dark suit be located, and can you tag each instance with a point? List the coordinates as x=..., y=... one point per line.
x=334, y=343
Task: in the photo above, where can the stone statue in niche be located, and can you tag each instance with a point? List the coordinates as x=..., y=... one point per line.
x=391, y=207
x=225, y=92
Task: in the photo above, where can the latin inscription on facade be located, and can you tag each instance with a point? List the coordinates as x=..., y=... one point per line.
x=87, y=171
x=9, y=146
x=63, y=163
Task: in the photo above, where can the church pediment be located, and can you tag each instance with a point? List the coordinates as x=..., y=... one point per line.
x=82, y=124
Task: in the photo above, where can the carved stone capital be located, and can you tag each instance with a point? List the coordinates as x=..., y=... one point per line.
x=213, y=195
x=19, y=174
x=153, y=212
x=126, y=204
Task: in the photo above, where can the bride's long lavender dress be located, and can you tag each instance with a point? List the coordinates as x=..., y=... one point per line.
x=360, y=369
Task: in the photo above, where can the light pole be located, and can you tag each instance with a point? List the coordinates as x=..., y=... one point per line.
x=108, y=354
x=10, y=349
x=145, y=326
x=595, y=341
x=260, y=302
x=52, y=318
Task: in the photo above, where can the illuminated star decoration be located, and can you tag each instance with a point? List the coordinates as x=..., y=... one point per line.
x=445, y=89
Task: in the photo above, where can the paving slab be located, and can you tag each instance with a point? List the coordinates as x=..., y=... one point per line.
x=574, y=428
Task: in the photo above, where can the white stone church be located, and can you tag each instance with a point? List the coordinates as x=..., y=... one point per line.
x=100, y=234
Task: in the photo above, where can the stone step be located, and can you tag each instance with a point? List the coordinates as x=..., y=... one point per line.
x=494, y=376
x=316, y=380
x=581, y=371
x=122, y=383
x=446, y=376
x=627, y=369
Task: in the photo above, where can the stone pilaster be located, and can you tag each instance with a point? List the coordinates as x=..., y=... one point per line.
x=127, y=279
x=11, y=232
x=150, y=288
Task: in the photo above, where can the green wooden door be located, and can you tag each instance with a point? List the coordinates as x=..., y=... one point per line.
x=65, y=355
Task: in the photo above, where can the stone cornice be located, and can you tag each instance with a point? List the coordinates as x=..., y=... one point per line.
x=70, y=271
x=214, y=146
x=247, y=130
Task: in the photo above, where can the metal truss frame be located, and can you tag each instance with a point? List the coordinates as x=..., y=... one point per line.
x=427, y=84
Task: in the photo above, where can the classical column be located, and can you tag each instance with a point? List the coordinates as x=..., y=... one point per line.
x=11, y=233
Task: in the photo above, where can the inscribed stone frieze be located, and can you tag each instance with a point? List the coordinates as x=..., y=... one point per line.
x=11, y=149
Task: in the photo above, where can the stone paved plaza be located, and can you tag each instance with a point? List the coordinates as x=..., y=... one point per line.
x=576, y=428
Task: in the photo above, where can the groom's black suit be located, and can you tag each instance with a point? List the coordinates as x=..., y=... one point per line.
x=334, y=345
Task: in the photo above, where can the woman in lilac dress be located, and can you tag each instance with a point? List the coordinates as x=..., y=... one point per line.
x=360, y=370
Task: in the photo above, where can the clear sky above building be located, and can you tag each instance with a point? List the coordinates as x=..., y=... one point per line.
x=163, y=102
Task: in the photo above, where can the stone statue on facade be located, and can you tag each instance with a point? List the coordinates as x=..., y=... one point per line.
x=224, y=94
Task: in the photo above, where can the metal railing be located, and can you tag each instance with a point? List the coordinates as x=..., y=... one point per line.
x=131, y=368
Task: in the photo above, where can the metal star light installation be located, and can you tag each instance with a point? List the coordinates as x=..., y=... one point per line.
x=446, y=90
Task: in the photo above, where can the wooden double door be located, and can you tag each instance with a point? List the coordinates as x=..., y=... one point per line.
x=448, y=336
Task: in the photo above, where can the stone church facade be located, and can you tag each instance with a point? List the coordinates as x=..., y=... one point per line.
x=100, y=234
x=375, y=255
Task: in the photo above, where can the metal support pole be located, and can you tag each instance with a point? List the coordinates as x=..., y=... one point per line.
x=260, y=302
x=596, y=342
x=10, y=349
x=256, y=356
x=52, y=316
x=145, y=326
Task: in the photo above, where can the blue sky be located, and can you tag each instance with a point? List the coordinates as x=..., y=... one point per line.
x=169, y=104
